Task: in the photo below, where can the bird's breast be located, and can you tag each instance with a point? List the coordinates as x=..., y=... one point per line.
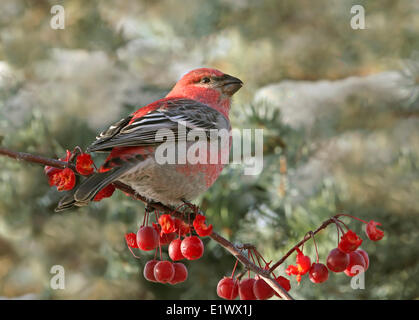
x=171, y=182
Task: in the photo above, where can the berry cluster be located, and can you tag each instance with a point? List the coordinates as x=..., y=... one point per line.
x=169, y=231
x=347, y=257
x=250, y=288
x=165, y=272
x=65, y=179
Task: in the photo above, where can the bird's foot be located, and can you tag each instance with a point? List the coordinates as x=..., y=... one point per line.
x=195, y=209
x=149, y=208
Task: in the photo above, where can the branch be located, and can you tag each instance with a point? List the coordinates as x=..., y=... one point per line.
x=230, y=247
x=36, y=159
x=307, y=237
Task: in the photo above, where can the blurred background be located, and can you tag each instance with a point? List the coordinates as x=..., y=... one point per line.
x=339, y=108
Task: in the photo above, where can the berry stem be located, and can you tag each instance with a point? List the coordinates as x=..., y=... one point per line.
x=344, y=224
x=251, y=256
x=257, y=258
x=315, y=246
x=234, y=269
x=179, y=207
x=323, y=226
x=248, y=258
x=133, y=252
x=348, y=215
x=336, y=221
x=337, y=229
x=76, y=152
x=189, y=223
x=160, y=248
x=94, y=166
x=144, y=219
x=260, y=255
x=156, y=216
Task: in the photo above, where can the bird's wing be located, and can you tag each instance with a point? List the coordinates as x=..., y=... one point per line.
x=146, y=129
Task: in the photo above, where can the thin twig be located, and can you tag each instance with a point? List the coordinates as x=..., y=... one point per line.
x=307, y=237
x=36, y=159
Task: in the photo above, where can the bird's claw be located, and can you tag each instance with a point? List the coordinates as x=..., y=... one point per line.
x=195, y=209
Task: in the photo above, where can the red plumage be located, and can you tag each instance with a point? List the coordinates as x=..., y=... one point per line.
x=201, y=99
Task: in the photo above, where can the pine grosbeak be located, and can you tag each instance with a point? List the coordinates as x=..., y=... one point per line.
x=200, y=99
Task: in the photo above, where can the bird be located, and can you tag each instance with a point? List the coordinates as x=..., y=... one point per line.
x=200, y=100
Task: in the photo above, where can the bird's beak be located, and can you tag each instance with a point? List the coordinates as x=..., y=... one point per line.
x=230, y=85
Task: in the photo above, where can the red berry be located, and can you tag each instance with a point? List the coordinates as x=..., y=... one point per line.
x=355, y=259
x=262, y=290
x=318, y=273
x=164, y=271
x=246, y=289
x=149, y=270
x=284, y=283
x=192, y=248
x=181, y=273
x=174, y=250
x=147, y=238
x=365, y=256
x=337, y=261
x=228, y=288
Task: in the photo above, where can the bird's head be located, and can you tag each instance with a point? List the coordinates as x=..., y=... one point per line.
x=209, y=86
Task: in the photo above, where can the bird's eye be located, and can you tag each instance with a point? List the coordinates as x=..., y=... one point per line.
x=205, y=80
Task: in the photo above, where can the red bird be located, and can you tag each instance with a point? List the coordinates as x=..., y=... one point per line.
x=200, y=100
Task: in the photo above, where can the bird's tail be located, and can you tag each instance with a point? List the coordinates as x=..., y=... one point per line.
x=84, y=193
